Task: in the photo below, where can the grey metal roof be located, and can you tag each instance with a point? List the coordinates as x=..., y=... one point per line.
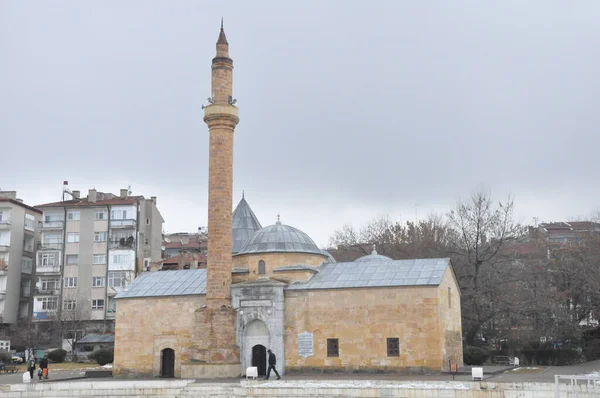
x=240, y=271
x=423, y=272
x=97, y=338
x=373, y=257
x=244, y=224
x=166, y=283
x=299, y=267
x=280, y=238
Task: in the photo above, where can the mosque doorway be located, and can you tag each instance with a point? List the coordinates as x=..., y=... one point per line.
x=259, y=359
x=256, y=341
x=167, y=363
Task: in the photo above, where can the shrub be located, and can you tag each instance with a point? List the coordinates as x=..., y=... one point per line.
x=5, y=356
x=103, y=356
x=592, y=350
x=474, y=355
x=58, y=355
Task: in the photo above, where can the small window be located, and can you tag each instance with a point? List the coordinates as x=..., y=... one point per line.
x=99, y=258
x=69, y=305
x=73, y=215
x=72, y=259
x=70, y=282
x=147, y=221
x=73, y=237
x=98, y=304
x=261, y=267
x=333, y=348
x=449, y=298
x=98, y=281
x=99, y=236
x=100, y=215
x=147, y=241
x=393, y=347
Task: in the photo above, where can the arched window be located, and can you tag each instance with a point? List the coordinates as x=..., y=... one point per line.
x=261, y=267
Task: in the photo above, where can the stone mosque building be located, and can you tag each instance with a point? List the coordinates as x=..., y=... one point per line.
x=272, y=287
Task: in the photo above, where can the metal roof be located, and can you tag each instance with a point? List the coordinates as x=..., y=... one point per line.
x=97, y=338
x=299, y=267
x=166, y=283
x=422, y=272
x=244, y=224
x=373, y=257
x=280, y=238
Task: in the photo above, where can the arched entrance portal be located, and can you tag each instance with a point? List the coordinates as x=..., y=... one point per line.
x=167, y=363
x=259, y=359
x=256, y=342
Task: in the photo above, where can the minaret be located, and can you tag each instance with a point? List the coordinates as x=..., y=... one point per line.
x=214, y=337
x=222, y=117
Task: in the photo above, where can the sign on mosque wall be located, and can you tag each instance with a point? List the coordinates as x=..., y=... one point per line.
x=306, y=344
x=256, y=303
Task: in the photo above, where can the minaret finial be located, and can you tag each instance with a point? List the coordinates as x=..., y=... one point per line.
x=221, y=23
x=278, y=218
x=242, y=194
x=374, y=251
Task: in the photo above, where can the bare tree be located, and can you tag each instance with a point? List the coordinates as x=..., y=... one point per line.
x=481, y=259
x=70, y=321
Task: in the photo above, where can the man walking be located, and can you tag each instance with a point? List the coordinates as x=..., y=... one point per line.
x=272, y=362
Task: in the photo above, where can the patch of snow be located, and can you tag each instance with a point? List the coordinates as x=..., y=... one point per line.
x=525, y=368
x=107, y=366
x=364, y=384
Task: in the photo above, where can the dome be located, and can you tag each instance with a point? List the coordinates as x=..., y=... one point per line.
x=280, y=238
x=373, y=257
x=244, y=225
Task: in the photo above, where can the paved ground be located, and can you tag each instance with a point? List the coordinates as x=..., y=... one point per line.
x=543, y=374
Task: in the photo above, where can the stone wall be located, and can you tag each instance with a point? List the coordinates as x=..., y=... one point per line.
x=362, y=319
x=275, y=260
x=450, y=320
x=145, y=326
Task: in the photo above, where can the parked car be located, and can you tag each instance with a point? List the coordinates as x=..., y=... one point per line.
x=17, y=359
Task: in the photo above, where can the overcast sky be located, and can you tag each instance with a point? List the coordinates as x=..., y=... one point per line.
x=349, y=109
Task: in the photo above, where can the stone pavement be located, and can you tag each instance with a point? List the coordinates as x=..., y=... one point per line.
x=494, y=374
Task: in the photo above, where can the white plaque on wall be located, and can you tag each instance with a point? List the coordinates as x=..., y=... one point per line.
x=305, y=344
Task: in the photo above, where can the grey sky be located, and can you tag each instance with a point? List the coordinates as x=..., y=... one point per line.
x=348, y=109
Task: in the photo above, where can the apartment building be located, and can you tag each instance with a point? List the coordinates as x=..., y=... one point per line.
x=18, y=239
x=90, y=249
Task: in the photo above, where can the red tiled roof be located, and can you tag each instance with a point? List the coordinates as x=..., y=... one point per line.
x=16, y=202
x=84, y=202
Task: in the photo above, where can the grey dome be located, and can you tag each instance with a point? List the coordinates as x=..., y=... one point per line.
x=280, y=238
x=244, y=225
x=373, y=257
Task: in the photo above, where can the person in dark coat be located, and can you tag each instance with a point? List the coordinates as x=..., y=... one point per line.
x=31, y=366
x=44, y=368
x=272, y=363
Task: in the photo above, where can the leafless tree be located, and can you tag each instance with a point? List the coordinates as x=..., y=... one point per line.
x=69, y=323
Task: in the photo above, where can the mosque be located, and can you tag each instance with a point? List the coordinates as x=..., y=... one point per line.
x=273, y=288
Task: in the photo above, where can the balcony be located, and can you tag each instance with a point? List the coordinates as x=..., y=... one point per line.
x=47, y=292
x=123, y=223
x=123, y=243
x=49, y=225
x=4, y=224
x=50, y=246
x=47, y=269
x=4, y=247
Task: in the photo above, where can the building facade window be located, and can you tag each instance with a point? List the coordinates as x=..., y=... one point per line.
x=118, y=214
x=98, y=281
x=393, y=347
x=73, y=215
x=69, y=305
x=333, y=348
x=48, y=284
x=73, y=237
x=29, y=222
x=121, y=259
x=100, y=215
x=117, y=279
x=100, y=236
x=26, y=264
x=70, y=282
x=99, y=258
x=98, y=304
x=72, y=259
x=48, y=303
x=261, y=267
x=49, y=259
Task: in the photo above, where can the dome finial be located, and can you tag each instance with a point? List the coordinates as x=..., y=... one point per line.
x=374, y=252
x=278, y=219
